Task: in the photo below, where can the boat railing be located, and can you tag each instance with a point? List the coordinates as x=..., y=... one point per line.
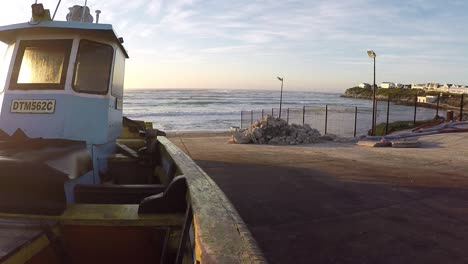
x=220, y=234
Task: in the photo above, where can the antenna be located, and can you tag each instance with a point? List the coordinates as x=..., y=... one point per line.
x=84, y=9
x=55, y=12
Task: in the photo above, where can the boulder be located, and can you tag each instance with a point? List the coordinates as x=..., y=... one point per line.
x=328, y=137
x=257, y=132
x=275, y=141
x=240, y=138
x=313, y=132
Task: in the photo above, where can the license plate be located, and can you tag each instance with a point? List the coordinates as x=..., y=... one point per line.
x=32, y=106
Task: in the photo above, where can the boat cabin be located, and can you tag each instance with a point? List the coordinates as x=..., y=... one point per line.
x=61, y=94
x=62, y=80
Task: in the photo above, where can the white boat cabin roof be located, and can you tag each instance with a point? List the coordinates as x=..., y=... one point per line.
x=9, y=33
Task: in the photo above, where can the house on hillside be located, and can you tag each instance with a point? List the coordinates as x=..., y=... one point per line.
x=431, y=99
x=418, y=86
x=458, y=89
x=364, y=85
x=443, y=88
x=447, y=86
x=427, y=99
x=432, y=86
x=403, y=86
x=387, y=85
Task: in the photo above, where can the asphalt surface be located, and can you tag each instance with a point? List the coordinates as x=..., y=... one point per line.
x=341, y=203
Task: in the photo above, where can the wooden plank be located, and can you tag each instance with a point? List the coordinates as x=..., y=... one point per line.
x=127, y=151
x=27, y=251
x=116, y=214
x=21, y=239
x=221, y=235
x=132, y=142
x=106, y=215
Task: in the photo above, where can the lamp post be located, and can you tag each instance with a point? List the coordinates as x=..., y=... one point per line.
x=281, y=95
x=372, y=55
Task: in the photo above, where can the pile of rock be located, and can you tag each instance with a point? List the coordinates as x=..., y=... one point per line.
x=276, y=131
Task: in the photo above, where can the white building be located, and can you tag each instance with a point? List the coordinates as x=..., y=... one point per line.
x=421, y=99
x=364, y=85
x=431, y=98
x=458, y=90
x=387, y=85
x=432, y=86
x=418, y=86
x=427, y=99
x=447, y=86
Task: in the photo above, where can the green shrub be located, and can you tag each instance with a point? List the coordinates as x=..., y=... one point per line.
x=397, y=126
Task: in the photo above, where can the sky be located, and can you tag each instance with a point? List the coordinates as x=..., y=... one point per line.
x=314, y=45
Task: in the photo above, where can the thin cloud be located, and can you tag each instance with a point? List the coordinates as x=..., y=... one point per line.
x=154, y=7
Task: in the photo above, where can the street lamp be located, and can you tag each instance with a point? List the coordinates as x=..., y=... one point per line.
x=372, y=55
x=281, y=95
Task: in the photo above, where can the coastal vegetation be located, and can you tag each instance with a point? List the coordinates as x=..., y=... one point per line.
x=396, y=126
x=366, y=93
x=447, y=101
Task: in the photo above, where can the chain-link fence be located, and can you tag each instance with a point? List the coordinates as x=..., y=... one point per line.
x=459, y=105
x=340, y=120
x=464, y=108
x=315, y=117
x=405, y=112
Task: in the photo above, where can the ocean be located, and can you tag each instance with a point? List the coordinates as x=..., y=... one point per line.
x=217, y=110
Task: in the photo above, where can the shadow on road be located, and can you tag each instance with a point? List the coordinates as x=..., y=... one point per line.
x=300, y=215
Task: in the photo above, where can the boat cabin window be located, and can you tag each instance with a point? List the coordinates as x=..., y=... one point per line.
x=41, y=65
x=93, y=67
x=118, y=77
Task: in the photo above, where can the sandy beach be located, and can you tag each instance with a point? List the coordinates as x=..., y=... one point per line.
x=344, y=203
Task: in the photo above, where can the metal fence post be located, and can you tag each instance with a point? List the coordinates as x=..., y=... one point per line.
x=437, y=108
x=262, y=113
x=251, y=117
x=355, y=120
x=388, y=114
x=287, y=117
x=415, y=109
x=461, y=107
x=241, y=119
x=272, y=112
x=326, y=118
x=303, y=115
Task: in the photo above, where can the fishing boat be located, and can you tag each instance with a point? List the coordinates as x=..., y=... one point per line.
x=80, y=183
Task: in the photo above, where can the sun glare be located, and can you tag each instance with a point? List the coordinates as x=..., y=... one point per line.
x=41, y=66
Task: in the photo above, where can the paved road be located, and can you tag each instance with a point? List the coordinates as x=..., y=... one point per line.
x=336, y=203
